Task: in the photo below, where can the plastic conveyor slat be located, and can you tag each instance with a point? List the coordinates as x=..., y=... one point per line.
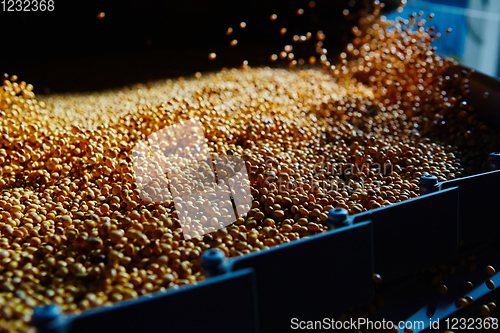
x=415, y=234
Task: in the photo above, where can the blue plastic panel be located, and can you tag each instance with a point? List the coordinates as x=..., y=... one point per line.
x=414, y=234
x=479, y=203
x=312, y=278
x=221, y=304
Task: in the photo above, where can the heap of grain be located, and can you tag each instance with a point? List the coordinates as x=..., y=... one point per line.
x=75, y=232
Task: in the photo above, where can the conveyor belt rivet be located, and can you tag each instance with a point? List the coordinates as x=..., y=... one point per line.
x=428, y=184
x=337, y=218
x=45, y=318
x=214, y=262
x=493, y=161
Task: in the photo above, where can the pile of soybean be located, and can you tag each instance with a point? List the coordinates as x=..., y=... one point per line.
x=358, y=135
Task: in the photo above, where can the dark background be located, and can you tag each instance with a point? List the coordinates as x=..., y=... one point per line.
x=71, y=49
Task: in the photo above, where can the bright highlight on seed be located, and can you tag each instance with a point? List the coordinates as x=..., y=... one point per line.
x=490, y=270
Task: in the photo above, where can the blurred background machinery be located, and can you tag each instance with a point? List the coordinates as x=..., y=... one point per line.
x=475, y=24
